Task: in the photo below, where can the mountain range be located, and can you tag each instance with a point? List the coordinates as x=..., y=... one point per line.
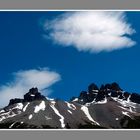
x=105, y=107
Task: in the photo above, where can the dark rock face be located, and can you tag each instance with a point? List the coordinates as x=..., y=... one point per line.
x=135, y=98
x=121, y=95
x=87, y=97
x=113, y=86
x=108, y=90
x=32, y=95
x=100, y=96
x=102, y=87
x=114, y=94
x=83, y=96
x=92, y=87
x=91, y=97
x=107, y=86
x=14, y=101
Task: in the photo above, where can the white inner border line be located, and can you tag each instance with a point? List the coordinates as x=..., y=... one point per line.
x=67, y=10
x=69, y=129
x=43, y=10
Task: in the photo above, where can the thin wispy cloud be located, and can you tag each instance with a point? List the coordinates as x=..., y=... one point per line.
x=92, y=31
x=24, y=80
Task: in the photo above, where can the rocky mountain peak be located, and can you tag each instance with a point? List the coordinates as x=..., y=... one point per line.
x=14, y=101
x=113, y=86
x=32, y=95
x=92, y=87
x=33, y=90
x=108, y=90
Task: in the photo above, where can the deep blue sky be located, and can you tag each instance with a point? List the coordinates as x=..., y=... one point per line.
x=22, y=47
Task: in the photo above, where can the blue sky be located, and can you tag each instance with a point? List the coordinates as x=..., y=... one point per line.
x=24, y=46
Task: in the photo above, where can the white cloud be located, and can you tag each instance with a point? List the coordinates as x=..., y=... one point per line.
x=92, y=31
x=24, y=80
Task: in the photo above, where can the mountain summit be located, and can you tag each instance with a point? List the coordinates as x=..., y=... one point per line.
x=107, y=106
x=32, y=95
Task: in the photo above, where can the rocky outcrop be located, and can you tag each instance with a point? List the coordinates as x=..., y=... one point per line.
x=135, y=98
x=32, y=95
x=14, y=101
x=96, y=93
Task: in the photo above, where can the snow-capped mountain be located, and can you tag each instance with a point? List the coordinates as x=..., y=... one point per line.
x=105, y=107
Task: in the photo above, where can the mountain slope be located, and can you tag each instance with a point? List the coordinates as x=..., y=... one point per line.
x=105, y=107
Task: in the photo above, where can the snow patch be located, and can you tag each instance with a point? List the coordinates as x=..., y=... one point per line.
x=48, y=118
x=88, y=104
x=86, y=111
x=12, y=125
x=69, y=111
x=117, y=119
x=50, y=99
x=126, y=103
x=2, y=111
x=125, y=113
x=102, y=101
x=76, y=99
x=53, y=102
x=30, y=116
x=128, y=99
x=2, y=118
x=130, y=108
x=127, y=109
x=39, y=107
x=99, y=102
x=71, y=106
x=7, y=115
x=18, y=106
x=24, y=109
x=95, y=91
x=57, y=112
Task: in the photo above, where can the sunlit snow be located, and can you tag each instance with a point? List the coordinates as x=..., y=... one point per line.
x=71, y=106
x=30, y=116
x=86, y=111
x=69, y=111
x=39, y=107
x=24, y=109
x=125, y=113
x=52, y=105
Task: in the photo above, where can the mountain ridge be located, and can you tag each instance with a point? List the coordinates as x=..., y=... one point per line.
x=107, y=107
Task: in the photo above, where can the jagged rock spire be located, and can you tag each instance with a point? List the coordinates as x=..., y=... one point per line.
x=113, y=86
x=97, y=94
x=32, y=95
x=92, y=87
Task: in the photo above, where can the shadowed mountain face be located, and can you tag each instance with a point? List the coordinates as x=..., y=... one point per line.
x=32, y=95
x=107, y=106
